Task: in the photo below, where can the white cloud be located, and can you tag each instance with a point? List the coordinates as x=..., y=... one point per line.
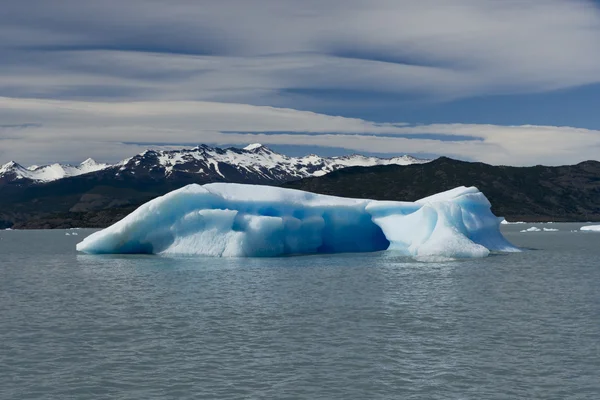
x=39, y=131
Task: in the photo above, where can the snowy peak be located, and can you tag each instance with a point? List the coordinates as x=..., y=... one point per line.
x=13, y=171
x=253, y=146
x=10, y=166
x=90, y=162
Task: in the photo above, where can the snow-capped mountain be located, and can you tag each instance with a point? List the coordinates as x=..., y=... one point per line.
x=13, y=171
x=252, y=164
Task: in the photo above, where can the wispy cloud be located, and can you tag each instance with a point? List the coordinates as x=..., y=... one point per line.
x=252, y=50
x=67, y=129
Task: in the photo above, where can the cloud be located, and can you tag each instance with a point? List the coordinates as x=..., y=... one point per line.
x=256, y=51
x=183, y=71
x=40, y=131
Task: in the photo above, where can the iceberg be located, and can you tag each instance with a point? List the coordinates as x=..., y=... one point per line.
x=236, y=220
x=536, y=229
x=503, y=221
x=532, y=229
x=590, y=228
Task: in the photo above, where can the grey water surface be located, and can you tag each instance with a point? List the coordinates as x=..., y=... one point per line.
x=349, y=326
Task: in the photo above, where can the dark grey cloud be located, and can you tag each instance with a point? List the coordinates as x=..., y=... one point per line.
x=241, y=50
x=19, y=126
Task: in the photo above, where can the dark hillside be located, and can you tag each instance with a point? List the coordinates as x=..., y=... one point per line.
x=539, y=193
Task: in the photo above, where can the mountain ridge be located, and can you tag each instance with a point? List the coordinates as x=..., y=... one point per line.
x=13, y=171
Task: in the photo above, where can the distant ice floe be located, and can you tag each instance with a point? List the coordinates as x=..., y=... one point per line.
x=234, y=220
x=536, y=229
x=503, y=221
x=590, y=228
x=532, y=229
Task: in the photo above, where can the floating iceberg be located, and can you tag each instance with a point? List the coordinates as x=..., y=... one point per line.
x=536, y=229
x=503, y=221
x=532, y=229
x=592, y=228
x=234, y=220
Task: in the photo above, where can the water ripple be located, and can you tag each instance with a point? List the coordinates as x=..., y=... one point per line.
x=367, y=326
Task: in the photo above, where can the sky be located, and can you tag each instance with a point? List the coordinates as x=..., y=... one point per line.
x=512, y=82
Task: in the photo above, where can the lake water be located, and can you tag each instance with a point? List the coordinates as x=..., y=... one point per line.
x=352, y=326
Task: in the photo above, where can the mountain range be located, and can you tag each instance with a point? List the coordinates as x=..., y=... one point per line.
x=14, y=172
x=253, y=164
x=93, y=194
